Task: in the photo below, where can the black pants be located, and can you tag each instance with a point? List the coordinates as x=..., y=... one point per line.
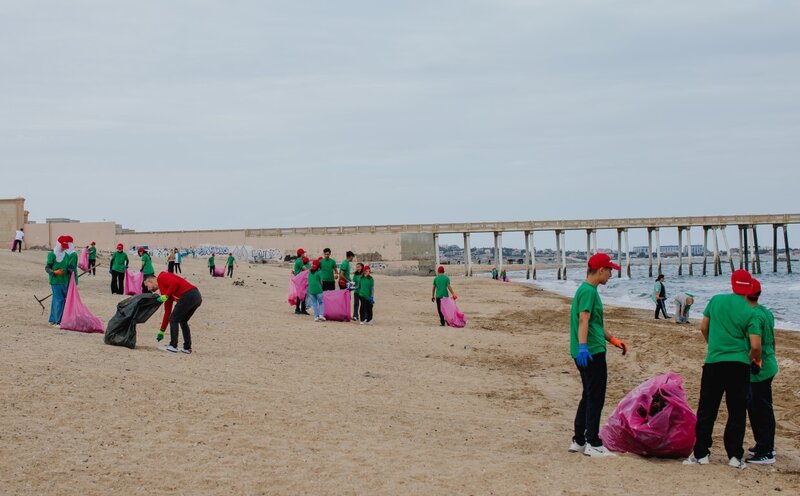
x=17, y=243
x=230, y=270
x=92, y=264
x=660, y=306
x=117, y=282
x=328, y=285
x=183, y=311
x=178, y=268
x=211, y=271
x=170, y=267
x=587, y=419
x=732, y=379
x=762, y=415
x=300, y=306
x=365, y=309
x=439, y=309
x=356, y=304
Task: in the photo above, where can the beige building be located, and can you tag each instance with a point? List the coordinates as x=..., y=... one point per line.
x=12, y=216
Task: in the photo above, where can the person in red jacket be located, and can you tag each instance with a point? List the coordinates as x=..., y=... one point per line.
x=175, y=289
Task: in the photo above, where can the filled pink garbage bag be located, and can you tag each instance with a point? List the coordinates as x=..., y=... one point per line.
x=337, y=304
x=292, y=296
x=133, y=282
x=654, y=419
x=76, y=316
x=83, y=260
x=452, y=315
x=298, y=287
x=219, y=271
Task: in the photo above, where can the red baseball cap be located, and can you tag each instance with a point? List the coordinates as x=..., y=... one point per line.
x=742, y=282
x=305, y=260
x=140, y=250
x=119, y=246
x=93, y=243
x=756, y=287
x=300, y=252
x=315, y=264
x=440, y=270
x=600, y=260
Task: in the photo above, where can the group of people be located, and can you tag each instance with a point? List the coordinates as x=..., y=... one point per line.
x=499, y=275
x=740, y=363
x=229, y=263
x=683, y=302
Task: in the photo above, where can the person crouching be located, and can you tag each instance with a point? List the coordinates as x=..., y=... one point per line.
x=187, y=299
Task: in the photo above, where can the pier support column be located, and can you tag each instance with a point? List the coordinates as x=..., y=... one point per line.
x=786, y=247
x=717, y=263
x=746, y=250
x=689, y=242
x=705, y=248
x=658, y=250
x=756, y=255
x=741, y=246
x=527, y=235
x=498, y=251
x=533, y=256
x=558, y=253
x=727, y=249
x=627, y=256
x=594, y=241
x=436, y=250
x=467, y=256
x=564, y=254
x=680, y=251
x=619, y=252
x=775, y=247
x=588, y=243
x=650, y=250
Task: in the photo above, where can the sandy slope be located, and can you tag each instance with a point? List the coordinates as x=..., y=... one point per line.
x=272, y=403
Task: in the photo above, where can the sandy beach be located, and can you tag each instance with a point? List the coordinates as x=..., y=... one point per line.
x=273, y=403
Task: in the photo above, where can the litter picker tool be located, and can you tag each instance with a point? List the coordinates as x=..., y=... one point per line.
x=51, y=294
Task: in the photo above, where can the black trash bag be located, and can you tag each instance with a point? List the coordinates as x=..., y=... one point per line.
x=121, y=329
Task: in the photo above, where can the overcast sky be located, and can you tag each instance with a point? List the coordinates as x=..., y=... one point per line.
x=206, y=114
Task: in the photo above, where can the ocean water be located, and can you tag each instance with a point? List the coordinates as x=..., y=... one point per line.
x=780, y=291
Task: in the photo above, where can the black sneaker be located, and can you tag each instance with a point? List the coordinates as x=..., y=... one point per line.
x=762, y=459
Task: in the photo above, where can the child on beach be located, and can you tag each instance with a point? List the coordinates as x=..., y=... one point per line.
x=366, y=293
x=356, y=279
x=315, y=291
x=441, y=286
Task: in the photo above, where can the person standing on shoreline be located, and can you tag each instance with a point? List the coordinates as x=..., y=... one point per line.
x=660, y=296
x=588, y=338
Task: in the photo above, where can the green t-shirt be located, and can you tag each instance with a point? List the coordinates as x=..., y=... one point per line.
x=299, y=266
x=67, y=264
x=147, y=265
x=344, y=269
x=212, y=262
x=366, y=286
x=230, y=260
x=326, y=267
x=356, y=278
x=587, y=299
x=314, y=283
x=732, y=320
x=92, y=253
x=769, y=363
x=119, y=261
x=441, y=282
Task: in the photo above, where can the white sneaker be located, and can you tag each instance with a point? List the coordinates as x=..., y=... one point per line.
x=737, y=463
x=576, y=448
x=694, y=461
x=362, y=322
x=322, y=319
x=170, y=349
x=598, y=451
x=316, y=319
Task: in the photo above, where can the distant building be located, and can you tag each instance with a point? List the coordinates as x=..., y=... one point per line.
x=697, y=250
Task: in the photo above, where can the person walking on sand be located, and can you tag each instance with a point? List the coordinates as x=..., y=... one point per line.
x=117, y=267
x=441, y=289
x=315, y=291
x=187, y=299
x=683, y=303
x=732, y=329
x=230, y=262
x=62, y=263
x=328, y=272
x=18, y=237
x=354, y=287
x=212, y=264
x=659, y=296
x=588, y=337
x=93, y=258
x=366, y=293
x=759, y=399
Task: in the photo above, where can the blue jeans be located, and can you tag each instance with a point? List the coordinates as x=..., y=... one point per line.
x=57, y=305
x=317, y=304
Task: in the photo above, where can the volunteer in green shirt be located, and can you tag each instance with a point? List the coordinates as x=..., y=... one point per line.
x=366, y=293
x=300, y=264
x=328, y=272
x=62, y=263
x=147, y=266
x=354, y=287
x=93, y=258
x=441, y=286
x=315, y=291
x=759, y=401
x=117, y=267
x=344, y=270
x=732, y=330
x=229, y=262
x=587, y=346
x=212, y=264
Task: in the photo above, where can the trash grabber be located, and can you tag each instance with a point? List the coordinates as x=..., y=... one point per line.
x=51, y=294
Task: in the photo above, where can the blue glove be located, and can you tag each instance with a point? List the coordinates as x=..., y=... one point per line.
x=584, y=356
x=372, y=300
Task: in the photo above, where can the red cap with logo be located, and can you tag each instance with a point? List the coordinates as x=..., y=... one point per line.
x=600, y=260
x=741, y=282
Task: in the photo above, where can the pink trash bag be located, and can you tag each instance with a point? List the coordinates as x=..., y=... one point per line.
x=83, y=260
x=654, y=419
x=76, y=316
x=452, y=315
x=337, y=304
x=298, y=287
x=133, y=282
x=219, y=271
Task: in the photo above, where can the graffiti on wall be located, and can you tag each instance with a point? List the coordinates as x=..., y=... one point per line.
x=241, y=252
